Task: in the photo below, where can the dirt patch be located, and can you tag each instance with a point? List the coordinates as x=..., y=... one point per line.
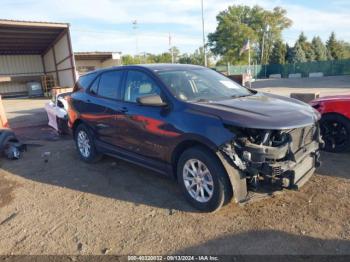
x=6, y=190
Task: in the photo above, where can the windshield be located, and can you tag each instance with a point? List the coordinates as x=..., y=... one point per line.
x=201, y=85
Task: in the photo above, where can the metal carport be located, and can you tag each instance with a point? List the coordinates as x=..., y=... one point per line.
x=31, y=50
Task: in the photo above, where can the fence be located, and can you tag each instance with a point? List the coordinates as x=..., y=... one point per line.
x=328, y=68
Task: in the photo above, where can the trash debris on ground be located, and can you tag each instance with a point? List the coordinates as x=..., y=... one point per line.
x=46, y=156
x=8, y=218
x=10, y=146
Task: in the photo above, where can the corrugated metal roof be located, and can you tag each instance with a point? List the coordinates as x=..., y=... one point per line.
x=28, y=37
x=33, y=23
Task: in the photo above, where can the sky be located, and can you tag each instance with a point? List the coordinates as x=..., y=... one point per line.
x=106, y=25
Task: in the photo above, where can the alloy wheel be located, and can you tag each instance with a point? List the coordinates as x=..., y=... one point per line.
x=198, y=180
x=84, y=143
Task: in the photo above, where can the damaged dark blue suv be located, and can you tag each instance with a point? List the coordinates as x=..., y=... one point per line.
x=219, y=140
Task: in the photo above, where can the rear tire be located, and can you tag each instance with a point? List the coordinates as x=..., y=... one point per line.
x=210, y=188
x=335, y=130
x=84, y=141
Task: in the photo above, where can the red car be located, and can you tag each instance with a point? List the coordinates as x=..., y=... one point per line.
x=335, y=121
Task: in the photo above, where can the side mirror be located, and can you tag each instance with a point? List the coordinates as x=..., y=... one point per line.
x=151, y=100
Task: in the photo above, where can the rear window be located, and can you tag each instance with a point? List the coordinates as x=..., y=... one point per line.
x=109, y=85
x=86, y=80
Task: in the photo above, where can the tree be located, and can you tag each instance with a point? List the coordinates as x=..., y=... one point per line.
x=176, y=53
x=298, y=55
x=335, y=49
x=319, y=49
x=278, y=55
x=239, y=23
x=346, y=48
x=197, y=58
x=130, y=60
x=307, y=47
x=289, y=54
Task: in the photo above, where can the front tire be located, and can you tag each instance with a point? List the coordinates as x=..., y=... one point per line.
x=85, y=145
x=335, y=130
x=203, y=179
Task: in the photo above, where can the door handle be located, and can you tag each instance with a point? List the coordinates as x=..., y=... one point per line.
x=102, y=126
x=124, y=109
x=88, y=101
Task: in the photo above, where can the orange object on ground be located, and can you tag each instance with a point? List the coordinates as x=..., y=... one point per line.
x=3, y=119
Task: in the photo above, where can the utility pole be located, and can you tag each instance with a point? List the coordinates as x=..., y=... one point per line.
x=267, y=28
x=171, y=49
x=204, y=51
x=135, y=27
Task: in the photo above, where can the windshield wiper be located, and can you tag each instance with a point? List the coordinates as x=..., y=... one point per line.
x=202, y=100
x=239, y=96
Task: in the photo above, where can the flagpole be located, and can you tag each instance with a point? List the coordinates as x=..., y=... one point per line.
x=171, y=49
x=249, y=55
x=204, y=51
x=249, y=70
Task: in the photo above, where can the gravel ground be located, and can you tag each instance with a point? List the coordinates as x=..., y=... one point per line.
x=64, y=206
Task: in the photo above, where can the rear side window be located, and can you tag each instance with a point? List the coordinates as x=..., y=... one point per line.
x=86, y=80
x=94, y=87
x=109, y=84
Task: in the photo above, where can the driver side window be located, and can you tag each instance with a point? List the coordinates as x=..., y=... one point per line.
x=139, y=84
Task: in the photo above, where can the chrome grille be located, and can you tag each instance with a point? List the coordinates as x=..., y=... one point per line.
x=302, y=136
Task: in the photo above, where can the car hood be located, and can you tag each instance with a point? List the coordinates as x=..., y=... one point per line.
x=261, y=111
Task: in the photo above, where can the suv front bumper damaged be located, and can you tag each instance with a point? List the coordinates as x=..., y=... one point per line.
x=272, y=168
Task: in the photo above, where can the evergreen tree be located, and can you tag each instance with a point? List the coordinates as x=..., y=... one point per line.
x=289, y=54
x=307, y=47
x=298, y=55
x=335, y=49
x=319, y=49
x=278, y=55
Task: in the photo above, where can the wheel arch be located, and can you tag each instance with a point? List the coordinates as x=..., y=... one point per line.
x=186, y=144
x=77, y=123
x=235, y=177
x=335, y=114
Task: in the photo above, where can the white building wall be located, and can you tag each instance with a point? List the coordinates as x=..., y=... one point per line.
x=59, y=64
x=62, y=49
x=12, y=65
x=111, y=62
x=49, y=61
x=17, y=70
x=95, y=64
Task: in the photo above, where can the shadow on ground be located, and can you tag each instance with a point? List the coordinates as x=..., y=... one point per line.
x=269, y=242
x=57, y=163
x=27, y=118
x=335, y=165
